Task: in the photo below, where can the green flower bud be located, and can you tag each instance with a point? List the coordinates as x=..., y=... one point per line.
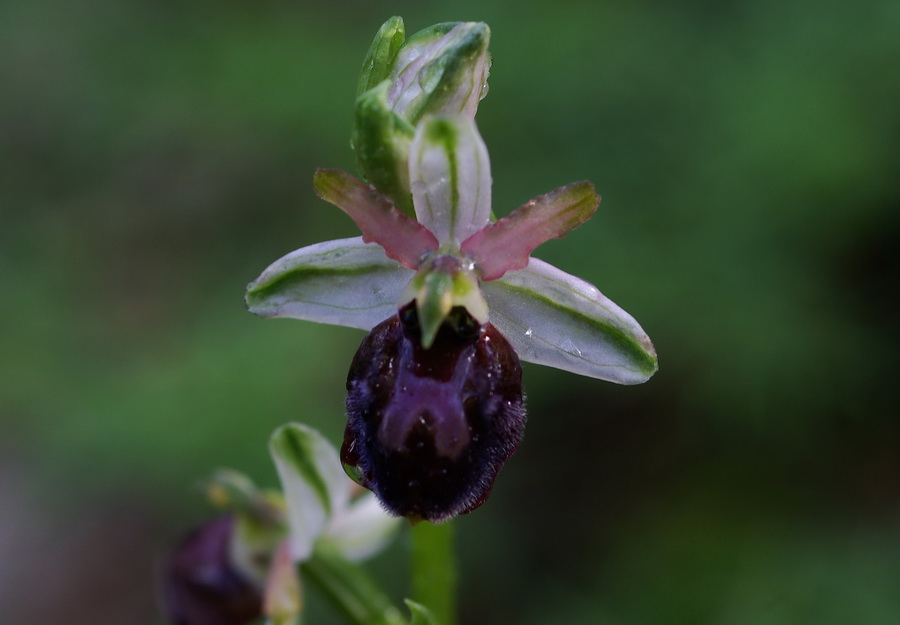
x=380, y=57
x=441, y=70
x=381, y=140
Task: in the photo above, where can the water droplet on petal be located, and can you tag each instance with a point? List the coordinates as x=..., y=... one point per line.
x=571, y=348
x=353, y=473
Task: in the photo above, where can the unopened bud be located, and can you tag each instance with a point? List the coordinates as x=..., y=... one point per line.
x=441, y=70
x=201, y=584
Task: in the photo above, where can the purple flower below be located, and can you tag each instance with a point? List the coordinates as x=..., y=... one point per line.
x=200, y=583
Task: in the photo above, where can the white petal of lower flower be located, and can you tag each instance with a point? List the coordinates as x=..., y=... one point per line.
x=363, y=529
x=316, y=489
x=344, y=282
x=553, y=318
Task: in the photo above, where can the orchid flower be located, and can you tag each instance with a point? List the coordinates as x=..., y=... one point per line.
x=451, y=298
x=239, y=566
x=324, y=511
x=322, y=502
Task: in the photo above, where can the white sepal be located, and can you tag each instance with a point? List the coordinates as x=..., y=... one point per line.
x=344, y=282
x=553, y=318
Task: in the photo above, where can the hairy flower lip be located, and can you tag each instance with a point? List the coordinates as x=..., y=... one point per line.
x=429, y=429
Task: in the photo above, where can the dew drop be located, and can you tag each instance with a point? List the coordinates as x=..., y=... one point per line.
x=353, y=473
x=570, y=347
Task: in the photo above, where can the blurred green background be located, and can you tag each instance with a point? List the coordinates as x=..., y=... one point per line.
x=156, y=156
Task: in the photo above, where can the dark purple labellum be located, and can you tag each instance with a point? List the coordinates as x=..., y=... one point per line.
x=200, y=584
x=429, y=429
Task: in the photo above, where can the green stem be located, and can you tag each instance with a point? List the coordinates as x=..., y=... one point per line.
x=351, y=590
x=434, y=574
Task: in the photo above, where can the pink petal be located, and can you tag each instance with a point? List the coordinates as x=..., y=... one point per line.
x=507, y=244
x=403, y=239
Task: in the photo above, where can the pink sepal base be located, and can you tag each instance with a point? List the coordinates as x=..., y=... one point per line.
x=403, y=238
x=506, y=245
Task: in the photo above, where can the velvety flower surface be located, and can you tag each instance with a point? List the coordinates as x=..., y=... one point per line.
x=434, y=394
x=446, y=418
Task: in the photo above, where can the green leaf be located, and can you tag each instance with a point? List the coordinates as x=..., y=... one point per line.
x=420, y=614
x=349, y=588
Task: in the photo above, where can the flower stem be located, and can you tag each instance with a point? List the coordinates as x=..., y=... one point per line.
x=351, y=590
x=434, y=573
